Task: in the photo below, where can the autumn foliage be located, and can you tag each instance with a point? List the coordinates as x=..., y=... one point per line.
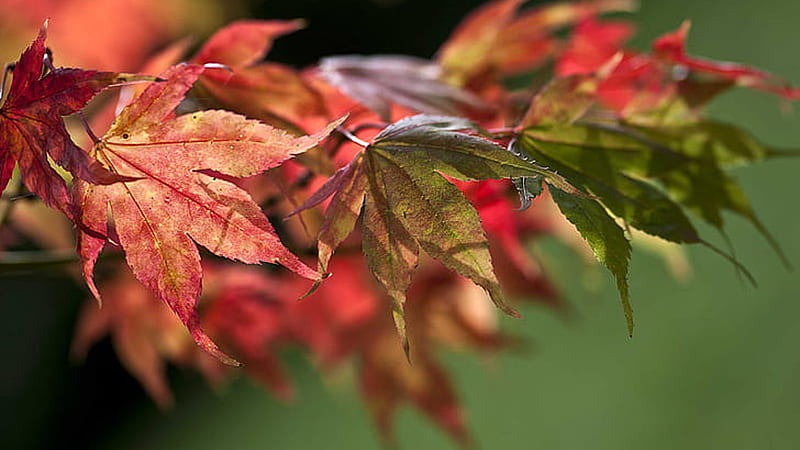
x=400, y=193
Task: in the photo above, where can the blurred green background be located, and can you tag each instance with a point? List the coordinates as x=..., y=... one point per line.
x=714, y=363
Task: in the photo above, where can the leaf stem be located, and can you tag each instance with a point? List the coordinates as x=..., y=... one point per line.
x=503, y=131
x=352, y=137
x=85, y=123
x=305, y=177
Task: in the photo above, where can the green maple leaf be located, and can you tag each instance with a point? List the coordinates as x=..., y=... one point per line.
x=409, y=204
x=645, y=176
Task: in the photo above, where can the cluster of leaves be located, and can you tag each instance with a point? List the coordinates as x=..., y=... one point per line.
x=405, y=154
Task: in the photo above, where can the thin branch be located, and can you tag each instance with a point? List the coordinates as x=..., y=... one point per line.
x=11, y=262
x=25, y=261
x=13, y=198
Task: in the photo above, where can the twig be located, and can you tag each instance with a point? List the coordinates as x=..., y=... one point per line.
x=13, y=198
x=19, y=261
x=11, y=262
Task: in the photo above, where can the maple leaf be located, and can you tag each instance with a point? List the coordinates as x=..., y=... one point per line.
x=32, y=131
x=507, y=229
x=256, y=314
x=496, y=40
x=592, y=43
x=443, y=309
x=251, y=312
x=666, y=85
x=618, y=163
x=567, y=99
x=672, y=47
x=706, y=148
x=408, y=204
x=182, y=195
x=266, y=91
x=379, y=81
x=116, y=35
x=386, y=379
x=145, y=334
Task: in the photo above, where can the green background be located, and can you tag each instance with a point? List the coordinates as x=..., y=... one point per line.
x=714, y=363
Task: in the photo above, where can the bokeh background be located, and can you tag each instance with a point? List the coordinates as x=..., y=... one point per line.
x=714, y=364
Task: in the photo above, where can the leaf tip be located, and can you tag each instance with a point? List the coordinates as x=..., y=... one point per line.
x=407, y=349
x=314, y=287
x=205, y=342
x=299, y=24
x=499, y=301
x=220, y=355
x=400, y=324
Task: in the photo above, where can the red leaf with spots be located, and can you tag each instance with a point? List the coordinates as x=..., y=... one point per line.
x=181, y=195
x=32, y=131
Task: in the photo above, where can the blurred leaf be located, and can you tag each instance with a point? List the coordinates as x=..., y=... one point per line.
x=700, y=183
x=379, y=81
x=708, y=139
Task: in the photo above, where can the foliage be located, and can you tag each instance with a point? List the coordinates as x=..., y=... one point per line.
x=405, y=155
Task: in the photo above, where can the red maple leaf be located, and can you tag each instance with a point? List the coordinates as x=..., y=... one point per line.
x=145, y=335
x=263, y=90
x=643, y=81
x=591, y=45
x=181, y=194
x=496, y=39
x=32, y=131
